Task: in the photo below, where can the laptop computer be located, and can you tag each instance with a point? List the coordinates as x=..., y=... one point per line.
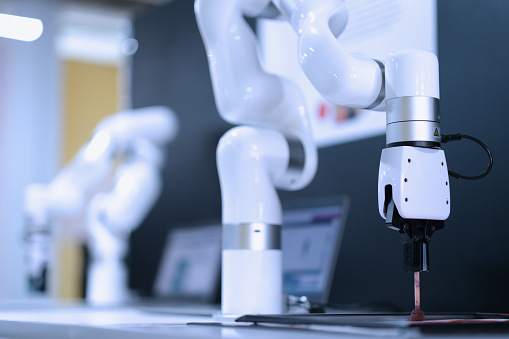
x=188, y=278
x=311, y=239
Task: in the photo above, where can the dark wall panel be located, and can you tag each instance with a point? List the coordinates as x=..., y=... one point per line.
x=469, y=258
x=170, y=68
x=472, y=271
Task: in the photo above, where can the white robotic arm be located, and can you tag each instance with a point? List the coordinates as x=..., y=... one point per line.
x=134, y=140
x=245, y=94
x=275, y=150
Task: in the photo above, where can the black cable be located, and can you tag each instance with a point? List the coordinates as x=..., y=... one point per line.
x=454, y=137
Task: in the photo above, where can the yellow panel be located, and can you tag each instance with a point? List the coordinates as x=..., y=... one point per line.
x=91, y=93
x=71, y=270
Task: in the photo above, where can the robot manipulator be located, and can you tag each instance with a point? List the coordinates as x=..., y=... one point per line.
x=111, y=184
x=413, y=181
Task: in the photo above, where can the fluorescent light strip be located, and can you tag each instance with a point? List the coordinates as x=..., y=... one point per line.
x=20, y=28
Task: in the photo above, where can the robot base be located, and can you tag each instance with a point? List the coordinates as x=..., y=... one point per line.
x=252, y=282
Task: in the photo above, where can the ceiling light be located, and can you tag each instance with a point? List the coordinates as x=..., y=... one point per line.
x=20, y=28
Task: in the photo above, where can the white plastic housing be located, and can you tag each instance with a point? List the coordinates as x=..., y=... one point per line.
x=157, y=124
x=340, y=77
x=244, y=93
x=250, y=161
x=136, y=188
x=107, y=274
x=252, y=282
x=411, y=73
x=419, y=180
x=113, y=215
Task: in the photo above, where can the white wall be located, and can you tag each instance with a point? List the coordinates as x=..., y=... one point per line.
x=29, y=130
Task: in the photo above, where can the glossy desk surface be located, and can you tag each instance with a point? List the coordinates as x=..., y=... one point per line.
x=41, y=320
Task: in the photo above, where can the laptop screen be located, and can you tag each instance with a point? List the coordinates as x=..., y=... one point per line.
x=311, y=237
x=190, y=264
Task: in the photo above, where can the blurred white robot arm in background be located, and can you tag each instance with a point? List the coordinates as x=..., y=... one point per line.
x=254, y=160
x=130, y=144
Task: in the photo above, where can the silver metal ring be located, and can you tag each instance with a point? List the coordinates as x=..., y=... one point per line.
x=251, y=236
x=413, y=119
x=411, y=131
x=296, y=163
x=381, y=95
x=413, y=109
x=297, y=157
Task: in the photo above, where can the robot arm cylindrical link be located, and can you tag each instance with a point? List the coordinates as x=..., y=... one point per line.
x=250, y=161
x=340, y=77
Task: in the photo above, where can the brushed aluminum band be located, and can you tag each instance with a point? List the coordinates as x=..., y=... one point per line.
x=254, y=236
x=381, y=94
x=412, y=108
x=297, y=157
x=410, y=131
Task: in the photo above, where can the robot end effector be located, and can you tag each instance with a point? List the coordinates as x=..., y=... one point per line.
x=415, y=235
x=413, y=181
x=413, y=184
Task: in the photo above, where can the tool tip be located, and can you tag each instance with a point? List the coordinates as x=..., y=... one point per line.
x=417, y=315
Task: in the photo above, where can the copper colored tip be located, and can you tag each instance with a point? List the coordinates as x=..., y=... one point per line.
x=417, y=315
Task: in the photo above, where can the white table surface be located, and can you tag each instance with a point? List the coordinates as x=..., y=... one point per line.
x=55, y=321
